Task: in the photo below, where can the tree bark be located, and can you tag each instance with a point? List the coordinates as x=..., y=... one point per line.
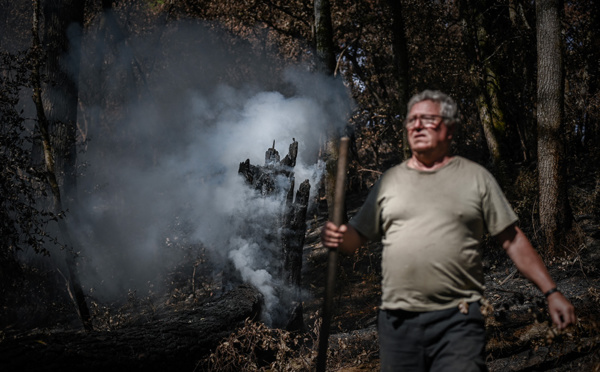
x=485, y=81
x=590, y=127
x=56, y=107
x=324, y=37
x=63, y=25
x=400, y=51
x=326, y=64
x=294, y=230
x=290, y=228
x=555, y=216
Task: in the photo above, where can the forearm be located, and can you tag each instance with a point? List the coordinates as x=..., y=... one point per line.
x=352, y=241
x=526, y=259
x=530, y=264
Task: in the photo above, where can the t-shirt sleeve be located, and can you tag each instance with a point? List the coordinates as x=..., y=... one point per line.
x=368, y=219
x=497, y=211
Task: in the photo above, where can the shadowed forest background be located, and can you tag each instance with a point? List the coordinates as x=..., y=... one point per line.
x=152, y=216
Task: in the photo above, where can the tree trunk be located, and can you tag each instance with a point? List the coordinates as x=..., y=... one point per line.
x=490, y=114
x=326, y=64
x=485, y=81
x=590, y=128
x=400, y=50
x=289, y=229
x=517, y=14
x=324, y=37
x=294, y=230
x=56, y=107
x=555, y=216
x=63, y=24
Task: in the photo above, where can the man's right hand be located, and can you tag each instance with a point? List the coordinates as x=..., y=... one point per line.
x=344, y=238
x=332, y=236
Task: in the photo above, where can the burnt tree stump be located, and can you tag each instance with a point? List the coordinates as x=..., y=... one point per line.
x=293, y=233
x=289, y=229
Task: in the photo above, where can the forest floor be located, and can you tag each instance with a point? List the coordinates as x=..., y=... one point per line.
x=520, y=336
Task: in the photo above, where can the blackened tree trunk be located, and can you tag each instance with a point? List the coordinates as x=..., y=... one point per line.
x=56, y=106
x=400, y=57
x=555, y=215
x=324, y=37
x=63, y=26
x=326, y=63
x=590, y=127
x=288, y=230
x=294, y=230
x=294, y=224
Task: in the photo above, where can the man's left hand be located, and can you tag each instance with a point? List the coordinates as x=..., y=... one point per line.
x=561, y=310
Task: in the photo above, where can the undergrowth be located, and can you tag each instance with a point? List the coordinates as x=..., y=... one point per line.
x=256, y=347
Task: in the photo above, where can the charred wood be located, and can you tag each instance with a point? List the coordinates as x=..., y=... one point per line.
x=294, y=231
x=288, y=230
x=262, y=178
x=294, y=225
x=174, y=342
x=290, y=158
x=272, y=156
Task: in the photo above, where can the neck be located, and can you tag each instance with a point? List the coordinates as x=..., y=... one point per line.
x=426, y=163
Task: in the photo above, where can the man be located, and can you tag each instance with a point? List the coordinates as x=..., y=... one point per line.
x=430, y=213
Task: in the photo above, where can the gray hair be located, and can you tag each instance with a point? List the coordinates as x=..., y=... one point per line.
x=448, y=107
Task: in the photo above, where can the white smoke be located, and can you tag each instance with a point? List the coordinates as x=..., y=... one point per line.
x=243, y=255
x=175, y=155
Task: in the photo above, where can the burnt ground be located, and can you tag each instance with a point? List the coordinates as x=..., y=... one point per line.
x=193, y=327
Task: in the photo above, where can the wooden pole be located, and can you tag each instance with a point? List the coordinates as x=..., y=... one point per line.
x=338, y=219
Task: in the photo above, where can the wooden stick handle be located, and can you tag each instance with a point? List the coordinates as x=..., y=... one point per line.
x=340, y=183
x=338, y=219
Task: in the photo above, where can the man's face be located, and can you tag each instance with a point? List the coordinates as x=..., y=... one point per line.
x=431, y=138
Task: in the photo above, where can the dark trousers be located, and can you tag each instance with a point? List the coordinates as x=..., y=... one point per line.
x=435, y=341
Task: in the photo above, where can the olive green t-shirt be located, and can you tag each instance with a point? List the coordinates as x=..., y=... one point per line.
x=431, y=224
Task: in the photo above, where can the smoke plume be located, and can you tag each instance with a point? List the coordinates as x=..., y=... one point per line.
x=168, y=127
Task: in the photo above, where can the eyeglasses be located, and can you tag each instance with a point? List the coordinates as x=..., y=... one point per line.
x=428, y=121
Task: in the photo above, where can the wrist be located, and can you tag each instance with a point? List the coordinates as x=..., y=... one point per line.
x=551, y=291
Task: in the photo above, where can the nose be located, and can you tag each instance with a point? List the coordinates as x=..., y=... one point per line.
x=418, y=123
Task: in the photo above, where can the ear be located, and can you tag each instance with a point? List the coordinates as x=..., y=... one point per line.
x=451, y=130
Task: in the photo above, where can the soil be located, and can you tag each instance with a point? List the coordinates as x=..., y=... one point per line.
x=520, y=335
